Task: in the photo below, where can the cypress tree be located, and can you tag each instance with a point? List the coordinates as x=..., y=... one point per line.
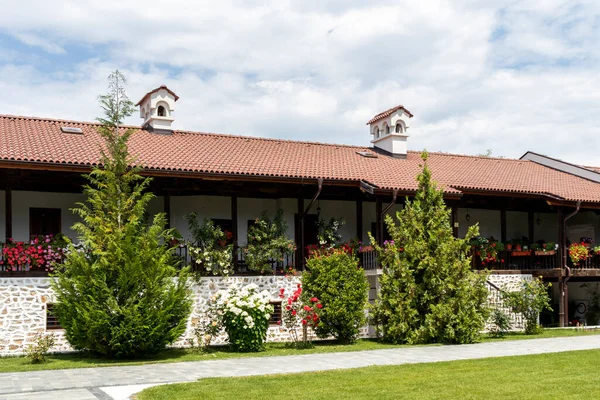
x=429, y=294
x=118, y=292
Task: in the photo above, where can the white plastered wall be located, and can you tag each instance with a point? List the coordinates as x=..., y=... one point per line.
x=205, y=206
x=489, y=222
x=22, y=201
x=547, y=230
x=517, y=225
x=370, y=216
x=582, y=219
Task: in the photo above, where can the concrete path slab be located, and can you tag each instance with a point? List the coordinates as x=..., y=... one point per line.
x=57, y=381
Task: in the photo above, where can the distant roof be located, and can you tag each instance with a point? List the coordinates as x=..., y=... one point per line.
x=156, y=90
x=387, y=113
x=40, y=143
x=590, y=173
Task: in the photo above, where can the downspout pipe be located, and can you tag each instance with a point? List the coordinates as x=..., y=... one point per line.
x=385, y=210
x=565, y=289
x=314, y=198
x=389, y=206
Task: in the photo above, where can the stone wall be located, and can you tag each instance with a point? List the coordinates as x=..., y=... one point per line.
x=23, y=303
x=509, y=283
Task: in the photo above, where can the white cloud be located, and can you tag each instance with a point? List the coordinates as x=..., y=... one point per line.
x=510, y=76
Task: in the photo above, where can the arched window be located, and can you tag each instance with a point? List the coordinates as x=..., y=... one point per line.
x=161, y=111
x=399, y=128
x=387, y=129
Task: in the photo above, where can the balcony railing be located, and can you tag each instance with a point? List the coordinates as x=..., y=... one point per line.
x=521, y=260
x=279, y=265
x=507, y=260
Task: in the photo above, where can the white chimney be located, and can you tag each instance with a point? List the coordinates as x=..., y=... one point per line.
x=389, y=131
x=156, y=109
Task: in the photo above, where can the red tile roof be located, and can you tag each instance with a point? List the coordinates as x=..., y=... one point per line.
x=387, y=113
x=38, y=140
x=156, y=90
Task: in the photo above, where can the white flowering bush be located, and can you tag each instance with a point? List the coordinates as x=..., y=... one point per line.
x=214, y=261
x=244, y=313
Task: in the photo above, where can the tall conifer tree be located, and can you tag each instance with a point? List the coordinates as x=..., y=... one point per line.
x=116, y=292
x=429, y=294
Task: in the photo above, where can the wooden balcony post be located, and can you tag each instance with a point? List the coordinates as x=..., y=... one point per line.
x=8, y=213
x=300, y=230
x=167, y=209
x=531, y=237
x=378, y=221
x=561, y=237
x=455, y=221
x=503, y=225
x=234, y=229
x=359, y=220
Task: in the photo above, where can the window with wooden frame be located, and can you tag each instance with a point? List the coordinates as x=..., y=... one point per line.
x=51, y=320
x=44, y=221
x=277, y=313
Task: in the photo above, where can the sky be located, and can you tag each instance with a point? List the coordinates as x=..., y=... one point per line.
x=508, y=76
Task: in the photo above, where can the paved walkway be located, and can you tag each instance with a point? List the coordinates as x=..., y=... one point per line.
x=97, y=383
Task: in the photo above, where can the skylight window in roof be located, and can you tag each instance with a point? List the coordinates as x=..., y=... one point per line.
x=71, y=129
x=367, y=154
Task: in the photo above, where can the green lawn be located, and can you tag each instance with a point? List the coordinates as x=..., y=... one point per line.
x=571, y=375
x=75, y=360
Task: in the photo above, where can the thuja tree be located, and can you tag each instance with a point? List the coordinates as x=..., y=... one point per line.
x=429, y=294
x=119, y=293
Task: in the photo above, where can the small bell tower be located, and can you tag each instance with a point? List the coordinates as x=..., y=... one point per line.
x=389, y=130
x=156, y=109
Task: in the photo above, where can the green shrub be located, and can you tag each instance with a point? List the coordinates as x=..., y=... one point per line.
x=529, y=301
x=501, y=323
x=119, y=294
x=37, y=351
x=341, y=286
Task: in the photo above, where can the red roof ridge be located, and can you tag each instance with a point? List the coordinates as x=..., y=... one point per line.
x=180, y=131
x=269, y=139
x=67, y=121
x=441, y=153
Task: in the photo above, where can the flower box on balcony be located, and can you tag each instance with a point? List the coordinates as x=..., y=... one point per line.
x=545, y=253
x=520, y=253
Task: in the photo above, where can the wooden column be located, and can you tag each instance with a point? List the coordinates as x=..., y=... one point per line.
x=561, y=302
x=503, y=225
x=455, y=222
x=8, y=213
x=167, y=209
x=234, y=229
x=301, y=250
x=359, y=220
x=378, y=221
x=531, y=235
x=562, y=251
x=561, y=238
